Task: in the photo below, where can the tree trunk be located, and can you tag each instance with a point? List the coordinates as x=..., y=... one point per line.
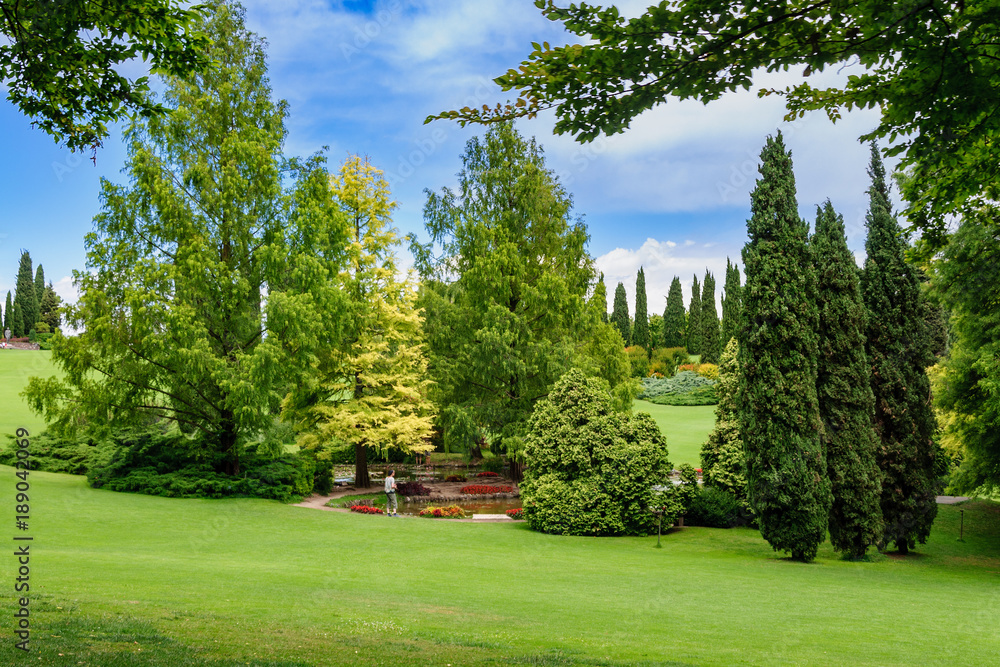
x=516, y=471
x=903, y=546
x=476, y=450
x=228, y=444
x=361, y=478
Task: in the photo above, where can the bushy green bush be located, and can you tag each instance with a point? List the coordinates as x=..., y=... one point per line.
x=638, y=359
x=664, y=360
x=699, y=396
x=715, y=508
x=681, y=383
x=591, y=470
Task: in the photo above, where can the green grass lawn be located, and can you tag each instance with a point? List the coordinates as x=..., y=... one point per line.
x=686, y=428
x=16, y=366
x=120, y=579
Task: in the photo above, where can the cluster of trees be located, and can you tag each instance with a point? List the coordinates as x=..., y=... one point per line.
x=698, y=328
x=35, y=307
x=229, y=287
x=825, y=419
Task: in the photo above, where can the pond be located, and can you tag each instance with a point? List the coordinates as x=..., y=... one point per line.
x=491, y=506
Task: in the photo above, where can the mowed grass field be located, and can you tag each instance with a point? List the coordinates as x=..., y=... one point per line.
x=122, y=579
x=16, y=366
x=686, y=428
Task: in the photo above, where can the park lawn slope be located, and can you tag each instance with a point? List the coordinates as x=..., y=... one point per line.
x=251, y=581
x=16, y=366
x=686, y=428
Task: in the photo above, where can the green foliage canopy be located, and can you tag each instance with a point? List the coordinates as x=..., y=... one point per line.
x=60, y=60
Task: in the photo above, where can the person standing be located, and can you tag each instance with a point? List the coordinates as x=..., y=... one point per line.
x=390, y=494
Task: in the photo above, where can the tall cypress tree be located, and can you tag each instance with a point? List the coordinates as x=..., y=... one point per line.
x=24, y=298
x=640, y=332
x=673, y=316
x=39, y=290
x=732, y=303
x=722, y=459
x=599, y=299
x=17, y=321
x=694, y=319
x=846, y=403
x=8, y=313
x=898, y=351
x=778, y=409
x=619, y=315
x=711, y=347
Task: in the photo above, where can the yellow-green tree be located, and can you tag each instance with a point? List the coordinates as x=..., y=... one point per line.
x=370, y=389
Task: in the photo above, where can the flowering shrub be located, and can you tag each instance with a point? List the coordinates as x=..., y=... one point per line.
x=487, y=473
x=412, y=489
x=516, y=513
x=483, y=489
x=448, y=512
x=367, y=509
x=455, y=478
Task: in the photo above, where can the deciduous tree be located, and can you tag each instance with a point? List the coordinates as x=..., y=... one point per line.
x=209, y=286
x=61, y=61
x=778, y=409
x=599, y=299
x=846, y=403
x=370, y=390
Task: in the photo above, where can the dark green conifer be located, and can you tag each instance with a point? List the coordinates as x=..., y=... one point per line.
x=17, y=329
x=39, y=290
x=846, y=403
x=619, y=315
x=732, y=303
x=778, y=410
x=8, y=313
x=723, y=462
x=24, y=297
x=711, y=347
x=694, y=319
x=599, y=300
x=673, y=316
x=899, y=351
x=640, y=332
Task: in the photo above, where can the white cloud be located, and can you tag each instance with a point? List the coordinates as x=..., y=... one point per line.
x=66, y=290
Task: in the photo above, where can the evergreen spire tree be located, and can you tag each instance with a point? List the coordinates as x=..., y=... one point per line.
x=8, y=313
x=778, y=409
x=673, y=316
x=694, y=319
x=17, y=321
x=24, y=298
x=599, y=299
x=898, y=354
x=619, y=316
x=732, y=303
x=39, y=290
x=640, y=332
x=846, y=403
x=722, y=460
x=711, y=347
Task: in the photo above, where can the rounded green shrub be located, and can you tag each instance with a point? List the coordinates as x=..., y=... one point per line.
x=591, y=470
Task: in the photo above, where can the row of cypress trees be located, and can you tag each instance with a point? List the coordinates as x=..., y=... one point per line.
x=699, y=330
x=33, y=301
x=833, y=399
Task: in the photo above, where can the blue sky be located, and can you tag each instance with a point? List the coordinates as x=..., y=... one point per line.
x=670, y=194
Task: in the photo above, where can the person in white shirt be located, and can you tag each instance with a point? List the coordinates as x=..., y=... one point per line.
x=390, y=494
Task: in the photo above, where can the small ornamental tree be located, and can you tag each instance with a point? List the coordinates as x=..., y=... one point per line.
x=593, y=468
x=846, y=403
x=711, y=348
x=640, y=332
x=732, y=303
x=723, y=462
x=694, y=319
x=778, y=410
x=619, y=316
x=899, y=351
x=673, y=316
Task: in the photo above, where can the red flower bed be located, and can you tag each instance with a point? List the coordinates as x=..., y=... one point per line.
x=483, y=489
x=516, y=513
x=450, y=511
x=367, y=509
x=488, y=473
